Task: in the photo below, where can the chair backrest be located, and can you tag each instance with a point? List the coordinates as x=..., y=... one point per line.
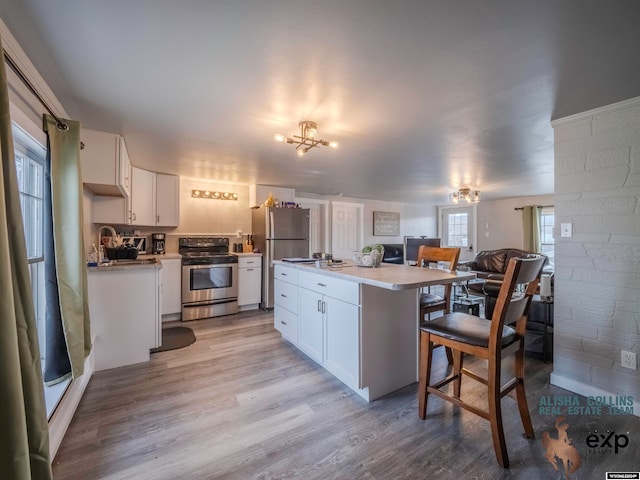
x=429, y=255
x=513, y=306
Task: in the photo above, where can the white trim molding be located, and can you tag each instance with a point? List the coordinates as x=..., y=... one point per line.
x=65, y=410
x=586, y=390
x=614, y=107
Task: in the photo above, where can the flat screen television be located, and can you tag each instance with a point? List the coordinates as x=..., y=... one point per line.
x=412, y=244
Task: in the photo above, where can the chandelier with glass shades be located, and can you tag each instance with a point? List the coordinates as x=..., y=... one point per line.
x=307, y=138
x=465, y=195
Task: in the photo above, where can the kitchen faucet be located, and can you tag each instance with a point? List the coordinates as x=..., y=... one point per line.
x=113, y=235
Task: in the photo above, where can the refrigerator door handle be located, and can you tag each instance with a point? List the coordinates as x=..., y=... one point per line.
x=271, y=225
x=271, y=253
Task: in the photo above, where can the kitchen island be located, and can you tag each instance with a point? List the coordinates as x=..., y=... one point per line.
x=360, y=324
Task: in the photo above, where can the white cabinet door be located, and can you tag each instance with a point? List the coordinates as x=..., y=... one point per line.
x=100, y=162
x=124, y=166
x=310, y=324
x=249, y=286
x=167, y=200
x=112, y=210
x=342, y=334
x=171, y=275
x=143, y=197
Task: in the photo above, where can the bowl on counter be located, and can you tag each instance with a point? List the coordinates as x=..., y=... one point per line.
x=370, y=259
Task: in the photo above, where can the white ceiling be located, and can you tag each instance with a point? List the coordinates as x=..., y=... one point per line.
x=423, y=96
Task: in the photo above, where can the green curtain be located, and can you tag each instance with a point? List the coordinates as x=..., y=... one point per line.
x=24, y=431
x=66, y=197
x=531, y=228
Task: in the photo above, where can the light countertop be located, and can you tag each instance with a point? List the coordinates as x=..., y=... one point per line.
x=136, y=264
x=387, y=275
x=168, y=256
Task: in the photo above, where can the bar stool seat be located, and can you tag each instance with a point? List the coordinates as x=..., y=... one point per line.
x=469, y=329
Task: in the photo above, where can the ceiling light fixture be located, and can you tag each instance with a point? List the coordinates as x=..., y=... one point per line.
x=465, y=194
x=307, y=138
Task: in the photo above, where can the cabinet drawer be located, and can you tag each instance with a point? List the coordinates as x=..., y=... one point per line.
x=286, y=323
x=286, y=274
x=286, y=295
x=332, y=287
x=249, y=262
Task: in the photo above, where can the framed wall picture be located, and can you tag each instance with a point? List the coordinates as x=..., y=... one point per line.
x=386, y=223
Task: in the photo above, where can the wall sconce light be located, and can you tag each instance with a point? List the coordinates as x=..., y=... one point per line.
x=214, y=195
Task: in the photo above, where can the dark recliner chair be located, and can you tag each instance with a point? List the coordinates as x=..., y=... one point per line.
x=490, y=265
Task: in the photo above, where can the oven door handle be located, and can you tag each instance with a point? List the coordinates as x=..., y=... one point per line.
x=208, y=265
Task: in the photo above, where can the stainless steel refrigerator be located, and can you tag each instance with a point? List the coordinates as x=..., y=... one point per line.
x=278, y=233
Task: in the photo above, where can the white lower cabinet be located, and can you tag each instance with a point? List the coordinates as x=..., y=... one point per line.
x=342, y=333
x=310, y=331
x=328, y=328
x=249, y=282
x=171, y=275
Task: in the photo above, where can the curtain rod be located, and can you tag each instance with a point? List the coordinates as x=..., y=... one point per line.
x=60, y=123
x=538, y=206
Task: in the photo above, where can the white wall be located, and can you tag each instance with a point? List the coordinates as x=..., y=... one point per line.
x=415, y=220
x=207, y=216
x=597, y=286
x=500, y=226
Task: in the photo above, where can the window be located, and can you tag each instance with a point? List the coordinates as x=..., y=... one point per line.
x=30, y=169
x=547, y=240
x=30, y=157
x=458, y=231
x=30, y=160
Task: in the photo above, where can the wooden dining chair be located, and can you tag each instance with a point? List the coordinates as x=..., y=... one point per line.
x=429, y=302
x=490, y=340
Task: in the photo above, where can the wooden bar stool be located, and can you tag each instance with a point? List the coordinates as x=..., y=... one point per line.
x=491, y=340
x=429, y=302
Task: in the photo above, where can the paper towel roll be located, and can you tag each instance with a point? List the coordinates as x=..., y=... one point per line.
x=545, y=285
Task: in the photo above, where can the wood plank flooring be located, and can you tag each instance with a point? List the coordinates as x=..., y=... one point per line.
x=241, y=403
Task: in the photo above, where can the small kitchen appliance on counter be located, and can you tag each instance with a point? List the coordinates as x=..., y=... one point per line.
x=157, y=243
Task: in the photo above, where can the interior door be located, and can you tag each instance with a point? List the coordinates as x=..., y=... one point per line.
x=458, y=229
x=345, y=229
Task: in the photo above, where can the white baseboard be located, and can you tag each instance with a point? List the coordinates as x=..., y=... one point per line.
x=587, y=390
x=67, y=407
x=171, y=317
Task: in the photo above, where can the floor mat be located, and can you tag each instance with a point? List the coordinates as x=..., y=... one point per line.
x=175, y=337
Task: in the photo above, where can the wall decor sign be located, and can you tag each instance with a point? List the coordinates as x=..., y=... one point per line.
x=386, y=223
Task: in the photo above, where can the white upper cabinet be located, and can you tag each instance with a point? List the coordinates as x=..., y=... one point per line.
x=167, y=200
x=106, y=169
x=154, y=202
x=143, y=197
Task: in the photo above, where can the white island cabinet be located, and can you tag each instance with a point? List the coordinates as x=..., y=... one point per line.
x=285, y=302
x=360, y=324
x=328, y=329
x=124, y=305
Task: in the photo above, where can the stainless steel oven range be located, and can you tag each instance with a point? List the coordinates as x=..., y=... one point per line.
x=209, y=277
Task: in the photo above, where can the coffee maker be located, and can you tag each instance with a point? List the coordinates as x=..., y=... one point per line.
x=157, y=243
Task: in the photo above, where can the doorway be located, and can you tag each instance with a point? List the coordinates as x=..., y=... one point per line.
x=318, y=224
x=346, y=228
x=457, y=228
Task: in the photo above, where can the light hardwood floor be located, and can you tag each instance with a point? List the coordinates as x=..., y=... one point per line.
x=241, y=403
